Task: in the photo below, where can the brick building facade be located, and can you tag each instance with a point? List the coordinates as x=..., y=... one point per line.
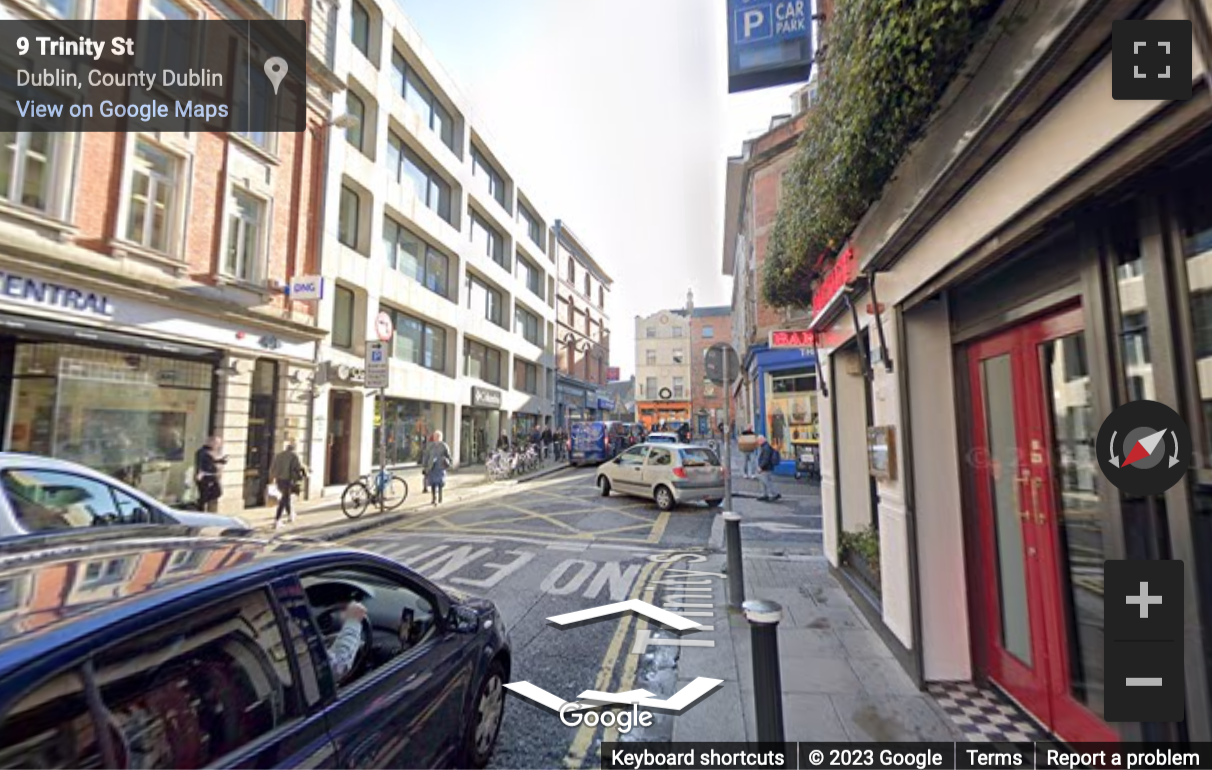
x=182, y=245
x=708, y=326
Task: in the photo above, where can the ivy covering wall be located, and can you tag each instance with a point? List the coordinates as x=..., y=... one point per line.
x=885, y=67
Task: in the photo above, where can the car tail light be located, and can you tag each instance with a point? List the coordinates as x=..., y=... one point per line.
x=679, y=472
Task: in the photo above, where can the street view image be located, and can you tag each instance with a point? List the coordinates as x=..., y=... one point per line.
x=586, y=384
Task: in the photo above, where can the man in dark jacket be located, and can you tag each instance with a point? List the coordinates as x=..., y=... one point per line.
x=206, y=473
x=547, y=438
x=767, y=460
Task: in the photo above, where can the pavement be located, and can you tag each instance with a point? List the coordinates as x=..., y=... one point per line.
x=322, y=515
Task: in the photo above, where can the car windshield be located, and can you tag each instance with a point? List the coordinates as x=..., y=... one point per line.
x=695, y=457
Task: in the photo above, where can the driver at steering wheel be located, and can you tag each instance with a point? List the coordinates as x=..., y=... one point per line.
x=343, y=651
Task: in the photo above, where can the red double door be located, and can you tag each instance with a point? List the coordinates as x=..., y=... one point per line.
x=1039, y=568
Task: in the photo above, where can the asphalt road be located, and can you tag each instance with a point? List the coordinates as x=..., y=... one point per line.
x=554, y=546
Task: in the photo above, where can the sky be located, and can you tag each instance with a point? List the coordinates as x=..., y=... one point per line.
x=614, y=116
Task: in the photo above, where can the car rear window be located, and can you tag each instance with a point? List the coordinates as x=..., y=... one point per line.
x=696, y=456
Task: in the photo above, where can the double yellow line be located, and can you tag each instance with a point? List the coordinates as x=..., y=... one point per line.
x=577, y=750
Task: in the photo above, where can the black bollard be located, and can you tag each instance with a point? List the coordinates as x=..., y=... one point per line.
x=764, y=617
x=736, y=569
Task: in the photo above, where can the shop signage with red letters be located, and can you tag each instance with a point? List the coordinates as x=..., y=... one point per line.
x=791, y=338
x=844, y=270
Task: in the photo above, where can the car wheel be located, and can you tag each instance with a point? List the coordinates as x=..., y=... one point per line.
x=604, y=486
x=716, y=503
x=664, y=498
x=487, y=712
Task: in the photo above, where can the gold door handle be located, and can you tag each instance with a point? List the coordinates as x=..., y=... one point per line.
x=1022, y=478
x=1039, y=512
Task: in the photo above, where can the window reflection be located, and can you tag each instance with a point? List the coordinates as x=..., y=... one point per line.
x=1079, y=516
x=1196, y=223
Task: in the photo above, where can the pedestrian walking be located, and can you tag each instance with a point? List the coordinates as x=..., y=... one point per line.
x=436, y=462
x=768, y=460
x=547, y=438
x=750, y=468
x=207, y=460
x=286, y=472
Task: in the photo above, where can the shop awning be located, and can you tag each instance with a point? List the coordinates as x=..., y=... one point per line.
x=92, y=335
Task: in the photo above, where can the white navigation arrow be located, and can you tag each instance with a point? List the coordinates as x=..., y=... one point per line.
x=685, y=697
x=1114, y=457
x=664, y=617
x=1174, y=457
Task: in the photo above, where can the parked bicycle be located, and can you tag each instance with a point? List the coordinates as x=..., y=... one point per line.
x=374, y=489
x=507, y=463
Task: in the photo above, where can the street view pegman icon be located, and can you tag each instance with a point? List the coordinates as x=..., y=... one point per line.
x=275, y=70
x=1144, y=448
x=1151, y=59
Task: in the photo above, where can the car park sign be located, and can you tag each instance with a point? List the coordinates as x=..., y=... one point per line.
x=769, y=43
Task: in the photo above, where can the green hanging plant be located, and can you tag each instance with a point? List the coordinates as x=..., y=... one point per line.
x=886, y=65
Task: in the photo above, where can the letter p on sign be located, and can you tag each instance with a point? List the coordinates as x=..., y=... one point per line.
x=752, y=20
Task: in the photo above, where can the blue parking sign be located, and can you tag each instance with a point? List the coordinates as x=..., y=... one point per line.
x=769, y=43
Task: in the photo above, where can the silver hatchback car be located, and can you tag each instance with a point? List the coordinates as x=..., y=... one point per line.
x=669, y=474
x=40, y=494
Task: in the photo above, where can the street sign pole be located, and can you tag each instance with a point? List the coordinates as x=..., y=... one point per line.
x=381, y=482
x=727, y=437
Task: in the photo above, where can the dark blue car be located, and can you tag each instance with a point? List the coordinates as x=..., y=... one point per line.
x=173, y=649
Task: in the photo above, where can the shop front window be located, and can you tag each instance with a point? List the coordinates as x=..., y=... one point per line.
x=409, y=426
x=791, y=412
x=136, y=417
x=1133, y=308
x=1196, y=224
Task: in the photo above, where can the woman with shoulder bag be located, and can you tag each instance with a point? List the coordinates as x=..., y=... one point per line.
x=435, y=462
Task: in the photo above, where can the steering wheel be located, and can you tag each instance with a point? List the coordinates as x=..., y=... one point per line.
x=327, y=619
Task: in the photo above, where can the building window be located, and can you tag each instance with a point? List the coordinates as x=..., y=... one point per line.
x=679, y=387
x=527, y=324
x=154, y=187
x=601, y=296
x=572, y=271
x=408, y=168
x=418, y=342
x=360, y=29
x=677, y=331
x=489, y=242
x=708, y=332
x=356, y=133
x=27, y=165
x=650, y=357
x=525, y=377
x=415, y=258
x=482, y=362
x=650, y=387
x=245, y=236
x=677, y=356
x=408, y=84
x=531, y=276
x=650, y=332
x=482, y=298
x=343, y=319
x=534, y=228
x=1201, y=323
x=350, y=214
x=493, y=182
x=588, y=286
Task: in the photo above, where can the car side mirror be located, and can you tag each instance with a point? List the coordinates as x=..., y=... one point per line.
x=463, y=620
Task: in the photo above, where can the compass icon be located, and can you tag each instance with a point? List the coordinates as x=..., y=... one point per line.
x=1144, y=448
